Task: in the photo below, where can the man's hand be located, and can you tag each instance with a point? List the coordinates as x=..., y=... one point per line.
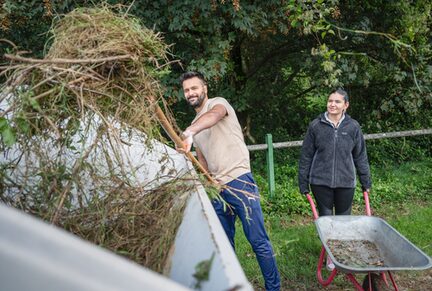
x=187, y=140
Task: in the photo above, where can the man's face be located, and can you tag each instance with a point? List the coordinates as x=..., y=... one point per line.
x=195, y=91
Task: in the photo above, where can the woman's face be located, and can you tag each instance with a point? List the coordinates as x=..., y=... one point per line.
x=336, y=104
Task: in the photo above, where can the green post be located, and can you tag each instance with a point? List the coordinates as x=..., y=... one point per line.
x=270, y=164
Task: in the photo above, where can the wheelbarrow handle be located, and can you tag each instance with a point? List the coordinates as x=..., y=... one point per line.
x=315, y=213
x=312, y=204
x=366, y=198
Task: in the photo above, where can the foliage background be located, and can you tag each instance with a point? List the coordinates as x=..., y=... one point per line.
x=276, y=61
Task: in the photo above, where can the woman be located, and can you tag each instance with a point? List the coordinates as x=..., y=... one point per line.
x=332, y=150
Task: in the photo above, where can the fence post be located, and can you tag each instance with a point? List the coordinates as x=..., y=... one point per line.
x=270, y=164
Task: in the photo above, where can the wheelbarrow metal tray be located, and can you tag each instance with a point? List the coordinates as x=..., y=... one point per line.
x=397, y=252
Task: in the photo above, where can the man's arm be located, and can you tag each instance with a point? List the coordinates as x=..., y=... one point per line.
x=201, y=159
x=205, y=121
x=208, y=119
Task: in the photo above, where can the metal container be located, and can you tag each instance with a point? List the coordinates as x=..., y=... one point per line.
x=37, y=256
x=397, y=252
x=26, y=243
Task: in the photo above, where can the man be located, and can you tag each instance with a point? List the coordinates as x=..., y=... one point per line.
x=218, y=140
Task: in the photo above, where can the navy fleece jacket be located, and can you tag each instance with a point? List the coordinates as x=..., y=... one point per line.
x=330, y=156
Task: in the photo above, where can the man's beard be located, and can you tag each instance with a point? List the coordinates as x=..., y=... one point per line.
x=198, y=102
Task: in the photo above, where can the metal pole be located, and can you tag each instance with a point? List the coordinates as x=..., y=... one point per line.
x=270, y=164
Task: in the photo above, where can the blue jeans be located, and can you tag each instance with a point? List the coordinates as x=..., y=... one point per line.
x=253, y=226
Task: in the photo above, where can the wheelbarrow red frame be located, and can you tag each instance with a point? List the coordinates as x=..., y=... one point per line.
x=325, y=282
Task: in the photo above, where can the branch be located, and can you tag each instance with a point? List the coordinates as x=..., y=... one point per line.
x=291, y=77
x=65, y=61
x=389, y=36
x=305, y=91
x=9, y=42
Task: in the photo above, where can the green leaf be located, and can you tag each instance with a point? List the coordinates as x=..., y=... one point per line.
x=3, y=123
x=34, y=103
x=7, y=132
x=23, y=124
x=8, y=136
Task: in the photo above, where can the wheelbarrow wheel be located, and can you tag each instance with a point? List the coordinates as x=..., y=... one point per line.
x=375, y=282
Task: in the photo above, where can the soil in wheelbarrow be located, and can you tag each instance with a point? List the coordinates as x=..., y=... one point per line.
x=356, y=253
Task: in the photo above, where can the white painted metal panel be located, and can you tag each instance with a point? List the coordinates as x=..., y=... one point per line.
x=36, y=256
x=201, y=235
x=40, y=257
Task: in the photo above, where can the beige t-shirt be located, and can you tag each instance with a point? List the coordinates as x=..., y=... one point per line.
x=223, y=145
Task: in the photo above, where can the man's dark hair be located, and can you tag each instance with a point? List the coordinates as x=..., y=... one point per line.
x=343, y=93
x=192, y=74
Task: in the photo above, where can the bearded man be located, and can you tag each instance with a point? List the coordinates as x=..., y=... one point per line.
x=217, y=137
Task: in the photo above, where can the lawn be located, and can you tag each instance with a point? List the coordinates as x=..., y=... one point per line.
x=297, y=246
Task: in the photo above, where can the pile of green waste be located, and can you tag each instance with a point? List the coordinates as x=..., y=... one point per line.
x=70, y=117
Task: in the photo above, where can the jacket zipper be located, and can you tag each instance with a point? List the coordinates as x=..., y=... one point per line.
x=334, y=156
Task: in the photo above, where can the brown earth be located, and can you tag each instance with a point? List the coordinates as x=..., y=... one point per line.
x=406, y=281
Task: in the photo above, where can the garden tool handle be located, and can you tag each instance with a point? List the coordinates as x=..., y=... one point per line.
x=177, y=140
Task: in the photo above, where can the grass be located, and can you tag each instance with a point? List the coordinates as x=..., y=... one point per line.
x=407, y=207
x=297, y=246
x=392, y=184
x=415, y=225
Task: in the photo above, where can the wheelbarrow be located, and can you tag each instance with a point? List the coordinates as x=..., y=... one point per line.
x=365, y=244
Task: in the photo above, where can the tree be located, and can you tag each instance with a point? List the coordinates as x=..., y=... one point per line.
x=277, y=60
